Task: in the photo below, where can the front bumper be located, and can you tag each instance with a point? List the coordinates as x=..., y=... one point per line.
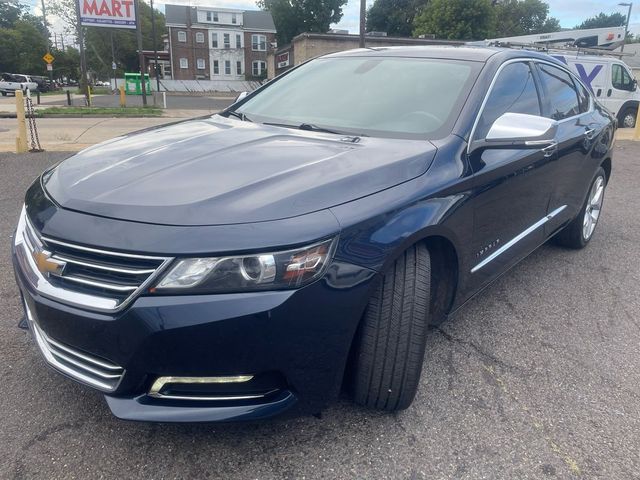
x=302, y=337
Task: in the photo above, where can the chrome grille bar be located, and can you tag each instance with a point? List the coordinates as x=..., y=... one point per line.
x=86, y=277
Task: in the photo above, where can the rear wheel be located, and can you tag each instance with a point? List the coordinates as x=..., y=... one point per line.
x=578, y=233
x=391, y=340
x=628, y=117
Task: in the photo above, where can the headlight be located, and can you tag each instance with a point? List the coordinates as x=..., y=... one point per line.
x=268, y=271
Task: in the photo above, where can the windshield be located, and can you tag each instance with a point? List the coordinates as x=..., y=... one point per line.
x=377, y=96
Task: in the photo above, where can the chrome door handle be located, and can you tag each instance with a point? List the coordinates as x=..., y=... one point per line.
x=590, y=133
x=550, y=149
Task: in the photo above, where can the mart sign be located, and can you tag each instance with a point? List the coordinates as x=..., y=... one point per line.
x=107, y=13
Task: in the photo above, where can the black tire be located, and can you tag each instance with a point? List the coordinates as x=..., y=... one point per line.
x=391, y=340
x=627, y=118
x=573, y=235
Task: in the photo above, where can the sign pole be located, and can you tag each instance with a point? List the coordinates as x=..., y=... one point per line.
x=155, y=45
x=141, y=55
x=83, y=59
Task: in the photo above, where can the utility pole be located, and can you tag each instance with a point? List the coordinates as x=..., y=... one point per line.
x=46, y=27
x=626, y=29
x=141, y=55
x=363, y=14
x=155, y=45
x=83, y=59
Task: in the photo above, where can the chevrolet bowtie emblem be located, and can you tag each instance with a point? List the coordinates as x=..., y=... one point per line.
x=47, y=265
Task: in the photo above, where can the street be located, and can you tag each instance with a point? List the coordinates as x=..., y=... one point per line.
x=537, y=377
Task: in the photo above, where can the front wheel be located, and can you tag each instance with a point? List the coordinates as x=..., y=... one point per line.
x=578, y=233
x=391, y=340
x=628, y=117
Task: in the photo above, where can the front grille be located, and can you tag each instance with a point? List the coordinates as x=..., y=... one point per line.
x=100, y=279
x=94, y=371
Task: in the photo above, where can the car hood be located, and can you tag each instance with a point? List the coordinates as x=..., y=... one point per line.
x=216, y=171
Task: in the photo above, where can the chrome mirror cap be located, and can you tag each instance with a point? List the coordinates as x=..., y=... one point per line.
x=519, y=129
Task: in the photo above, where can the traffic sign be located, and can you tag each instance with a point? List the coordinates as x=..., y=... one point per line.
x=48, y=58
x=49, y=67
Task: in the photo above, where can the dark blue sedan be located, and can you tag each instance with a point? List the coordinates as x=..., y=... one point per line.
x=300, y=243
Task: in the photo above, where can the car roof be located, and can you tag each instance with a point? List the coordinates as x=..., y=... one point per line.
x=453, y=52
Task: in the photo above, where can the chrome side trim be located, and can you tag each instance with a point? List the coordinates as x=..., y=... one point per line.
x=517, y=238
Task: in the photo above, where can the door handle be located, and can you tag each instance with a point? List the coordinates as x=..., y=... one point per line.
x=590, y=133
x=550, y=149
x=599, y=92
x=609, y=92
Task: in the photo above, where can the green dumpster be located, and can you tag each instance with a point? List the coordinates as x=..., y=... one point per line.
x=133, y=85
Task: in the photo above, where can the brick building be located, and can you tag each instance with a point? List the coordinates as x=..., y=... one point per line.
x=211, y=43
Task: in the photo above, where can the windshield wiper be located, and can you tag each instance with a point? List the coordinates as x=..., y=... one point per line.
x=312, y=128
x=239, y=115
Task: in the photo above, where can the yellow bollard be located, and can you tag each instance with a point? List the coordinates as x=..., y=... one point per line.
x=21, y=139
x=123, y=99
x=636, y=131
x=89, y=95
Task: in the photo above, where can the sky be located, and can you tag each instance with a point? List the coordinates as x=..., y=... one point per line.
x=569, y=12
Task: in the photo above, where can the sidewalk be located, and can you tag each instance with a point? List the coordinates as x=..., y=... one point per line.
x=75, y=134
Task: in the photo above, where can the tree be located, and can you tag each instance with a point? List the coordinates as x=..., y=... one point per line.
x=523, y=17
x=393, y=16
x=293, y=17
x=10, y=12
x=456, y=19
x=23, y=40
x=603, y=20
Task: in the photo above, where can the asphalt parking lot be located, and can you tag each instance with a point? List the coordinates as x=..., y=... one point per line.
x=539, y=377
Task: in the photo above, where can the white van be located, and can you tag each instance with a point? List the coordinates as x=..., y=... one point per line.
x=610, y=80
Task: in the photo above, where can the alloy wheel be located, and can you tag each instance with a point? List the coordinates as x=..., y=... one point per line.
x=594, y=205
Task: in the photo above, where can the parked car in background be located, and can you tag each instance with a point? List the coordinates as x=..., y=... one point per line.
x=26, y=81
x=9, y=83
x=258, y=261
x=44, y=84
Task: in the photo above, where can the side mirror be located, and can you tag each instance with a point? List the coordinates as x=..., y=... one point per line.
x=241, y=96
x=520, y=130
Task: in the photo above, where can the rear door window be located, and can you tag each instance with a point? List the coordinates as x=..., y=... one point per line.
x=561, y=92
x=514, y=91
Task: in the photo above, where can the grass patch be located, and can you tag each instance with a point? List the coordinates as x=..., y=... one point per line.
x=106, y=111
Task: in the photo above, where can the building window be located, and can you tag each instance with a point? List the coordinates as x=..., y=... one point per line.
x=258, y=68
x=227, y=40
x=216, y=67
x=227, y=67
x=234, y=18
x=239, y=68
x=182, y=36
x=212, y=16
x=238, y=40
x=200, y=63
x=214, y=40
x=199, y=37
x=184, y=63
x=209, y=17
x=258, y=42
